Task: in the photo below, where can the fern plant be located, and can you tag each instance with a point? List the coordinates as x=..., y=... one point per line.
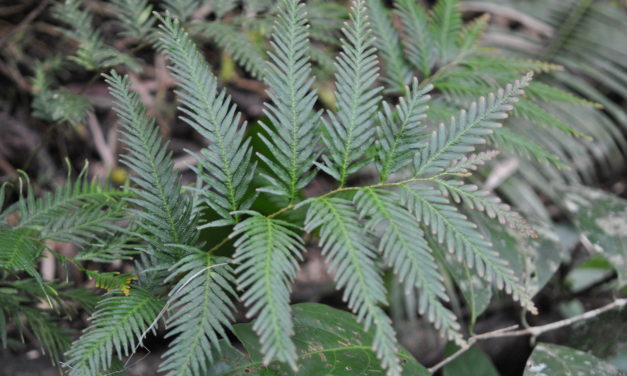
x=268, y=247
x=414, y=221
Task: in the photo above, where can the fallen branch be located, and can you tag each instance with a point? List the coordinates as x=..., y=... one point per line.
x=533, y=331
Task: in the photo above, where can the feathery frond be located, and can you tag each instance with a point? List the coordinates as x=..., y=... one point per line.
x=482, y=200
x=400, y=132
x=462, y=239
x=92, y=51
x=20, y=248
x=418, y=42
x=237, y=44
x=227, y=168
x=116, y=326
x=201, y=306
x=388, y=42
x=405, y=249
x=446, y=25
x=349, y=132
x=163, y=213
x=267, y=254
x=292, y=132
x=181, y=9
x=66, y=201
x=350, y=254
x=471, y=128
x=136, y=17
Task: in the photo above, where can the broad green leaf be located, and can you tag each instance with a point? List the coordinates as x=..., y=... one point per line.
x=554, y=360
x=329, y=342
x=473, y=359
x=604, y=336
x=535, y=260
x=602, y=220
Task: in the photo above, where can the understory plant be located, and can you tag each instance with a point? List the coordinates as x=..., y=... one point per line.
x=418, y=112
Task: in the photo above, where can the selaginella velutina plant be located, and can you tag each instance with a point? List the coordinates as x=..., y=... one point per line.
x=182, y=281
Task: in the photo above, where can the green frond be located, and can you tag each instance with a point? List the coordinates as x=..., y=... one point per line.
x=201, y=307
x=572, y=18
x=20, y=249
x=388, y=42
x=479, y=199
x=405, y=249
x=54, y=339
x=267, y=254
x=417, y=39
x=470, y=36
x=539, y=116
x=92, y=51
x=135, y=17
x=116, y=326
x=108, y=248
x=292, y=131
x=471, y=162
x=400, y=131
x=60, y=106
x=470, y=129
x=547, y=93
x=227, y=168
x=349, y=132
x=350, y=255
x=80, y=226
x=508, y=139
x=181, y=9
x=446, y=24
x=163, y=213
x=222, y=7
x=237, y=43
x=462, y=239
x=491, y=64
x=66, y=201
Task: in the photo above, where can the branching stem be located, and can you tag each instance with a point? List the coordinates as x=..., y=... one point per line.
x=533, y=331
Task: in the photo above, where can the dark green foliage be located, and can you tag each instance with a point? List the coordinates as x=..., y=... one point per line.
x=401, y=144
x=117, y=325
x=227, y=168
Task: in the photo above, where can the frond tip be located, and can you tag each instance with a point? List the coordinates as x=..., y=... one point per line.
x=349, y=132
x=293, y=135
x=227, y=168
x=451, y=142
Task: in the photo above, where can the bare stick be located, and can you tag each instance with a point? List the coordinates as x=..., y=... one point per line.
x=534, y=331
x=99, y=141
